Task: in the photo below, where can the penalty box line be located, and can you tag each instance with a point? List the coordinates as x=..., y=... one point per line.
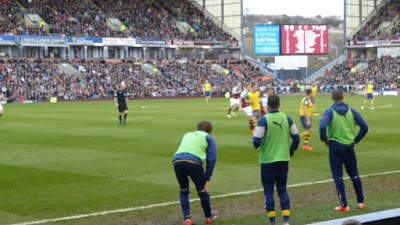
x=193, y=200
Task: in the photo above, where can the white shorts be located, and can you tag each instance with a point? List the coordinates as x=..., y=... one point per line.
x=248, y=111
x=235, y=102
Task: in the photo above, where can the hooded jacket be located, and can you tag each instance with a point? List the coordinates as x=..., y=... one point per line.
x=342, y=108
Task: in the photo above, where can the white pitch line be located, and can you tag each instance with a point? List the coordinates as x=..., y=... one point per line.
x=193, y=200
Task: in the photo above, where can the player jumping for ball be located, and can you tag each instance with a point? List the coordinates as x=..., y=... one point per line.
x=235, y=100
x=121, y=101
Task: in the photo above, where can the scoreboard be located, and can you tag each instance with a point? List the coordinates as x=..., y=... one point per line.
x=304, y=39
x=291, y=40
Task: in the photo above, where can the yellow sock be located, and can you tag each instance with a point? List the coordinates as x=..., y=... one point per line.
x=286, y=212
x=306, y=138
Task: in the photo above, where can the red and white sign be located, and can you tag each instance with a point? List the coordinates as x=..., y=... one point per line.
x=182, y=42
x=304, y=39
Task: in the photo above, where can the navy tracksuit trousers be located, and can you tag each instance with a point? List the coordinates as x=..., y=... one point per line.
x=183, y=171
x=340, y=155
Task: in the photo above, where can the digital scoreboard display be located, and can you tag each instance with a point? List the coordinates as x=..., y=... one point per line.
x=304, y=39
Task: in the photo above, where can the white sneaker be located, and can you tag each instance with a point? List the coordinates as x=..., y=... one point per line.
x=362, y=107
x=372, y=107
x=229, y=116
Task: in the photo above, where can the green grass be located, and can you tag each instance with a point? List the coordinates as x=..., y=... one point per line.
x=72, y=158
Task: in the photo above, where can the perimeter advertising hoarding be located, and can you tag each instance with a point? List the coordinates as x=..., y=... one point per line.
x=267, y=40
x=304, y=39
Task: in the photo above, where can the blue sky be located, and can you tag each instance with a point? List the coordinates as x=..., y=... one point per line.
x=308, y=8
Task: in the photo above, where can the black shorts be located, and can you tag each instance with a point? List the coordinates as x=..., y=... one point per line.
x=122, y=108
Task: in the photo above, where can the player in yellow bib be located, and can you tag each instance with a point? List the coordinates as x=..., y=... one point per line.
x=207, y=90
x=370, y=95
x=255, y=103
x=305, y=118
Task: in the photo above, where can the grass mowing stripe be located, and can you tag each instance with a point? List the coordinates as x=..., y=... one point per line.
x=192, y=200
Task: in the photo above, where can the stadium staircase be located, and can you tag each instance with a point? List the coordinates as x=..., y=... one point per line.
x=262, y=67
x=149, y=68
x=114, y=23
x=217, y=68
x=361, y=66
x=68, y=69
x=329, y=66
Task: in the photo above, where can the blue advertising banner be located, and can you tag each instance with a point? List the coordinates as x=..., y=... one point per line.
x=7, y=40
x=54, y=41
x=267, y=40
x=151, y=42
x=84, y=41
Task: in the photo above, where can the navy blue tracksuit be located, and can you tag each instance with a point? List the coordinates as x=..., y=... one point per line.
x=340, y=154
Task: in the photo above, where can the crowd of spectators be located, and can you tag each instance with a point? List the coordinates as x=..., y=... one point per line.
x=202, y=27
x=140, y=19
x=70, y=18
x=384, y=71
x=371, y=29
x=10, y=23
x=26, y=80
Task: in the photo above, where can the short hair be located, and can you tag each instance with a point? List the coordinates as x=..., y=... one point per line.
x=337, y=95
x=205, y=126
x=273, y=101
x=308, y=91
x=351, y=222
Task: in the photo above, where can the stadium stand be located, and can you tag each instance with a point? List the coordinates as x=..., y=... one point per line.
x=201, y=27
x=140, y=19
x=143, y=19
x=384, y=70
x=77, y=18
x=11, y=24
x=28, y=80
x=371, y=29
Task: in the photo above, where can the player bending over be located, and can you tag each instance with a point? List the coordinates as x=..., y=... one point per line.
x=245, y=106
x=370, y=95
x=121, y=101
x=305, y=118
x=196, y=149
x=235, y=99
x=207, y=91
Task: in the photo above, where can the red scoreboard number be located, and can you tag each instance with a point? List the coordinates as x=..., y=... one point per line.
x=304, y=39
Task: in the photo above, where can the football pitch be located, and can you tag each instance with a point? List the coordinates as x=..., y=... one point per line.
x=66, y=159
